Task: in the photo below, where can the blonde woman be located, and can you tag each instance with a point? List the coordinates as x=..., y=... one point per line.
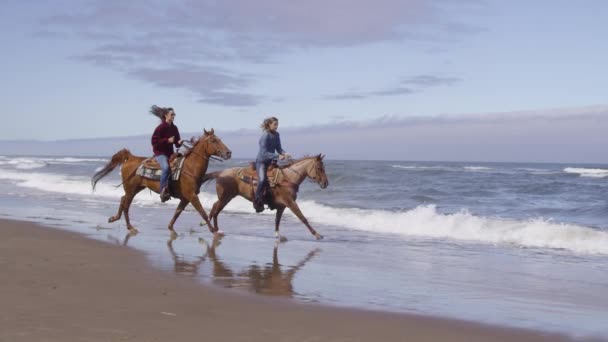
x=270, y=149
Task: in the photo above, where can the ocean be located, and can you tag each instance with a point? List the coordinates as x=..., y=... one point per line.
x=512, y=244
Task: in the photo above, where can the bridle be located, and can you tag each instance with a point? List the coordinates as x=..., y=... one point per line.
x=212, y=157
x=301, y=175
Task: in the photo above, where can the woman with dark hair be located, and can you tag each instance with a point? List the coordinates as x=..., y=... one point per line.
x=270, y=149
x=164, y=137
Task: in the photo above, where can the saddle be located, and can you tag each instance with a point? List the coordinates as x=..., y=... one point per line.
x=249, y=174
x=150, y=169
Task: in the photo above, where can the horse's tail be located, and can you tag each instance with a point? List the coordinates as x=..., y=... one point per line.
x=117, y=159
x=210, y=176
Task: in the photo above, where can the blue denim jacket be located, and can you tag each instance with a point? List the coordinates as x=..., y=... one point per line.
x=269, y=143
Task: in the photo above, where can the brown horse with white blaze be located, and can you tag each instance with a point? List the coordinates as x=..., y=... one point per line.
x=186, y=188
x=284, y=193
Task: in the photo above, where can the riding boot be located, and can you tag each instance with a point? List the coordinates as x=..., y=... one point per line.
x=258, y=205
x=165, y=195
x=268, y=199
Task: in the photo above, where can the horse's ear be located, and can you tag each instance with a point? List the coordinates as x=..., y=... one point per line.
x=205, y=131
x=322, y=156
x=211, y=131
x=319, y=156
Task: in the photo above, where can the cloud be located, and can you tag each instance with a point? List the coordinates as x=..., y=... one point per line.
x=309, y=23
x=129, y=36
x=430, y=81
x=407, y=86
x=542, y=116
x=211, y=84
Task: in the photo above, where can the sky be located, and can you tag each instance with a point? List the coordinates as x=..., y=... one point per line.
x=433, y=80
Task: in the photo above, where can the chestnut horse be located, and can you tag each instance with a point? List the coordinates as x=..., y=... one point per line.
x=186, y=188
x=284, y=194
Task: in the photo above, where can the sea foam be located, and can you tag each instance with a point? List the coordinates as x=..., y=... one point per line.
x=585, y=172
x=421, y=221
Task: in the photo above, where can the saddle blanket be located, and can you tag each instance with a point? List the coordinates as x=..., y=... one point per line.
x=154, y=173
x=249, y=175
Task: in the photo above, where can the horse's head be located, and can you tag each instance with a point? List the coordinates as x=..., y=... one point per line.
x=316, y=171
x=215, y=146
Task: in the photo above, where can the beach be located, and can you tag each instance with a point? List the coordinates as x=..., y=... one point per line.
x=427, y=247
x=60, y=286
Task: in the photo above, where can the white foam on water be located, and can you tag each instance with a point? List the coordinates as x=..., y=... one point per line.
x=423, y=221
x=70, y=160
x=23, y=163
x=443, y=168
x=477, y=168
x=585, y=172
x=419, y=168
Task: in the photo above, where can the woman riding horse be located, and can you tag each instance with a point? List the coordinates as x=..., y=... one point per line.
x=270, y=141
x=164, y=137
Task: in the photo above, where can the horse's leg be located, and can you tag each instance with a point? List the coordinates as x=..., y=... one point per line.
x=180, y=207
x=196, y=203
x=119, y=213
x=293, y=206
x=218, y=206
x=212, y=214
x=277, y=222
x=128, y=199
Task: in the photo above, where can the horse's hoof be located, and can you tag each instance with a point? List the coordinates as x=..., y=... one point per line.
x=133, y=230
x=281, y=238
x=173, y=234
x=111, y=219
x=218, y=233
x=203, y=223
x=319, y=236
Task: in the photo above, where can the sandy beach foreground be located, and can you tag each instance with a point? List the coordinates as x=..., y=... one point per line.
x=59, y=286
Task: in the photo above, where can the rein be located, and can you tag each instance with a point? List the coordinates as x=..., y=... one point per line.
x=199, y=155
x=212, y=157
x=300, y=174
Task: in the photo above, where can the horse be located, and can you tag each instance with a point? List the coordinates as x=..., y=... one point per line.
x=229, y=184
x=186, y=188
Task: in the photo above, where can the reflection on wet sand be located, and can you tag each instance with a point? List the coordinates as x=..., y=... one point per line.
x=183, y=266
x=269, y=279
x=124, y=241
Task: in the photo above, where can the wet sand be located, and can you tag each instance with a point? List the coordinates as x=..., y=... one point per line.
x=60, y=286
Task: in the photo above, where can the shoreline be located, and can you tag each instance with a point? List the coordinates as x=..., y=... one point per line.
x=64, y=286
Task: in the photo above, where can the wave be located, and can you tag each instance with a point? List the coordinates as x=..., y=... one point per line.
x=425, y=221
x=422, y=221
x=74, y=160
x=443, y=168
x=424, y=168
x=23, y=163
x=585, y=172
x=477, y=168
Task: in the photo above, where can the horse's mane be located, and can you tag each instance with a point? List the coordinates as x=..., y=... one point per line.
x=199, y=139
x=294, y=161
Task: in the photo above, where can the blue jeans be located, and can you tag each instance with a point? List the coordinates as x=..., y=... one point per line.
x=261, y=168
x=163, y=160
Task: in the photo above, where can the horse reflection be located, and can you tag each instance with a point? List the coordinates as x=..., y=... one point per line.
x=124, y=241
x=181, y=265
x=270, y=279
